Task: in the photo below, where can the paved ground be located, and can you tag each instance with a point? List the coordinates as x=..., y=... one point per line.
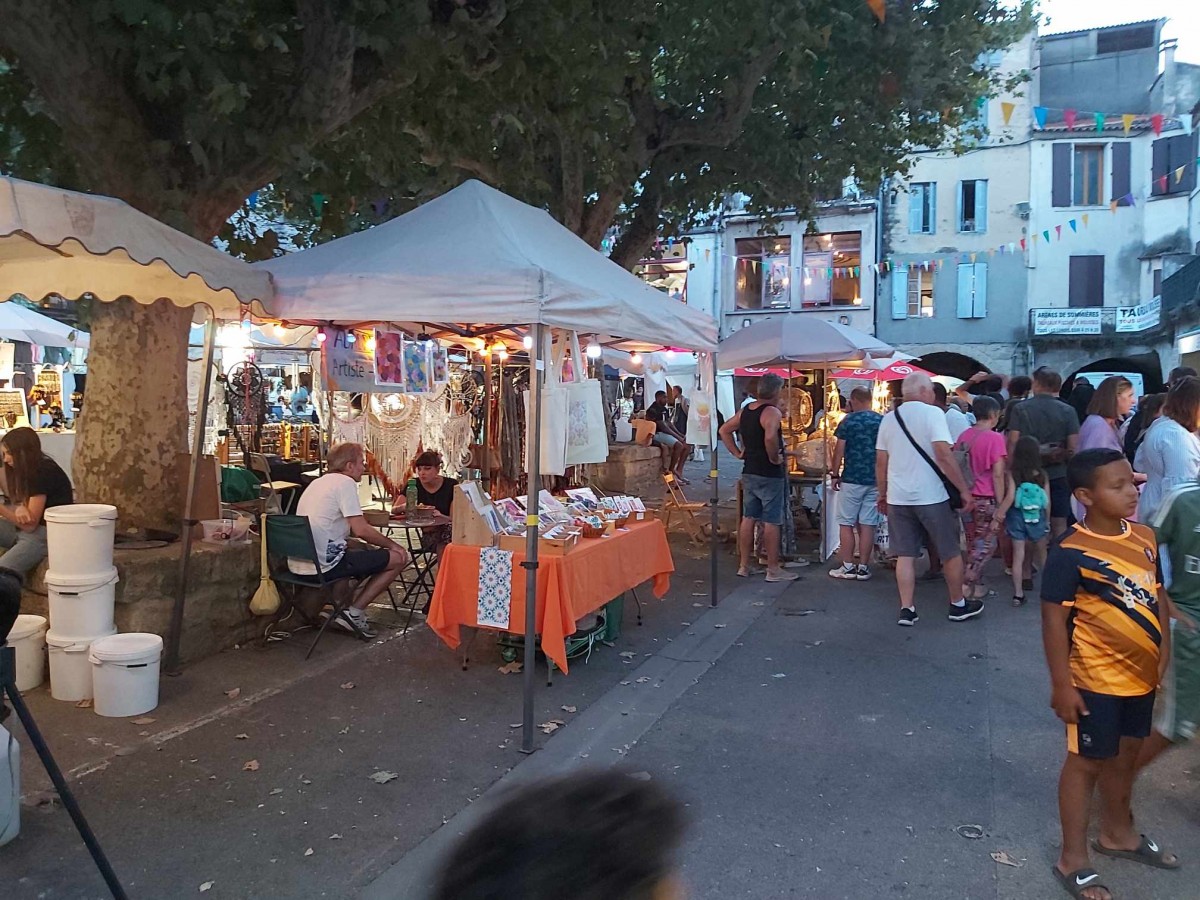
x=845, y=778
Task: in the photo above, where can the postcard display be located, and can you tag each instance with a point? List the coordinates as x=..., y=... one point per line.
x=478, y=520
x=405, y=404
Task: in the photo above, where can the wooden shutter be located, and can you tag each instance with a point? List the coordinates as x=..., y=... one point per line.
x=1181, y=154
x=1060, y=190
x=899, y=292
x=966, y=292
x=916, y=205
x=1086, y=286
x=979, y=305
x=1121, y=179
x=981, y=207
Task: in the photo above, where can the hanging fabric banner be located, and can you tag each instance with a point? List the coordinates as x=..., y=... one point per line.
x=346, y=363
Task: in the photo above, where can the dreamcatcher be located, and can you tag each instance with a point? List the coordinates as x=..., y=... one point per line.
x=465, y=392
x=393, y=431
x=245, y=406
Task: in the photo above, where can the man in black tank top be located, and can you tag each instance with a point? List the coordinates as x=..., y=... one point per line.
x=764, y=479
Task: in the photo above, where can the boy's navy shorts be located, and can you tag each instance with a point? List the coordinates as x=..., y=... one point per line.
x=1098, y=734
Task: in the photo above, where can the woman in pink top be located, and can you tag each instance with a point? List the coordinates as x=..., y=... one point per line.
x=986, y=450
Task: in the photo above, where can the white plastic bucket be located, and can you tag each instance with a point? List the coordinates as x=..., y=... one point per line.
x=28, y=638
x=70, y=670
x=125, y=674
x=82, y=606
x=79, y=539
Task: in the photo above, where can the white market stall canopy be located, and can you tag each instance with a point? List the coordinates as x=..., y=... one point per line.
x=801, y=340
x=19, y=323
x=54, y=241
x=477, y=257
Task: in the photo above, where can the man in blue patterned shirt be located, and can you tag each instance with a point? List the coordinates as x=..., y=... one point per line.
x=854, y=481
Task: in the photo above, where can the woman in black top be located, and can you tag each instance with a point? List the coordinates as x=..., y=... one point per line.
x=33, y=483
x=436, y=490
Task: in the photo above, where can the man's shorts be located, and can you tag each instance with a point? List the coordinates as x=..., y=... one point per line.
x=1098, y=734
x=666, y=440
x=763, y=498
x=1178, y=714
x=1060, y=498
x=857, y=504
x=359, y=564
x=908, y=526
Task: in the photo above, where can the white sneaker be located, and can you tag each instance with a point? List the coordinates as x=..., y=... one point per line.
x=782, y=575
x=359, y=618
x=863, y=573
x=845, y=572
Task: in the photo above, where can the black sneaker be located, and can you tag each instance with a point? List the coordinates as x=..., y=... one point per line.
x=908, y=616
x=968, y=610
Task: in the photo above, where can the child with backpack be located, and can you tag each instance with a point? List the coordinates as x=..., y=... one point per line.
x=1026, y=510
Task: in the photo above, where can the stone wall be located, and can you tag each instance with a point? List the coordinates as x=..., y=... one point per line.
x=221, y=579
x=631, y=469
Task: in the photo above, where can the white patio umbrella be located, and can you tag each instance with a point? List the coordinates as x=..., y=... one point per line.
x=19, y=323
x=801, y=340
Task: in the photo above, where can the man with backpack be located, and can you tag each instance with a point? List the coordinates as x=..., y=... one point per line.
x=1055, y=426
x=915, y=471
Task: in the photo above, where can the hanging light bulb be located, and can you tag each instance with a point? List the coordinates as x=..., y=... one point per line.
x=669, y=354
x=636, y=359
x=371, y=344
x=528, y=342
x=593, y=349
x=321, y=336
x=280, y=331
x=350, y=336
x=502, y=354
x=247, y=324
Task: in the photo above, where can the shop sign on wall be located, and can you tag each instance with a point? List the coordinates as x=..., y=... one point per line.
x=1139, y=318
x=346, y=363
x=1067, y=321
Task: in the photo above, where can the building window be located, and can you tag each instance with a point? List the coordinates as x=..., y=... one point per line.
x=1158, y=278
x=920, y=293
x=763, y=276
x=1173, y=165
x=972, y=290
x=922, y=207
x=972, y=207
x=832, y=270
x=1123, y=39
x=1086, y=287
x=1088, y=175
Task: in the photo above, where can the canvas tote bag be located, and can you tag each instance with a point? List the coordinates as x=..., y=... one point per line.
x=587, y=427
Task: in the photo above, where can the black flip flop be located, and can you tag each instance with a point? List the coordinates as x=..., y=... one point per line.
x=1075, y=883
x=1148, y=853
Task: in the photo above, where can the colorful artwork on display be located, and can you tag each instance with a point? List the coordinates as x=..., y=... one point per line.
x=346, y=363
x=389, y=359
x=417, y=366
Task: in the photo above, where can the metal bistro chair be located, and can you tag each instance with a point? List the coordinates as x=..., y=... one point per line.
x=291, y=537
x=259, y=465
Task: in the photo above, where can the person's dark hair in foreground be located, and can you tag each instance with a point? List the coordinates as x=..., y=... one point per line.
x=590, y=835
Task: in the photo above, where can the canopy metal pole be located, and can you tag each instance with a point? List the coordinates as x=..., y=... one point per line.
x=716, y=490
x=175, y=630
x=486, y=475
x=533, y=484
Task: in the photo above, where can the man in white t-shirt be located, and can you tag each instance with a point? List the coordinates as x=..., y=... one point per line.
x=334, y=513
x=956, y=420
x=913, y=494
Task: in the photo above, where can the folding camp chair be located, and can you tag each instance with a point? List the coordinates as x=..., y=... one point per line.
x=271, y=489
x=677, y=502
x=290, y=537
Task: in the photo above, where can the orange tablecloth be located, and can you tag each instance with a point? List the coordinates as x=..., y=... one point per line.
x=568, y=587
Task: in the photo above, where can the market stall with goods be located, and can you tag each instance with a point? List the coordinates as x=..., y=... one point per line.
x=527, y=287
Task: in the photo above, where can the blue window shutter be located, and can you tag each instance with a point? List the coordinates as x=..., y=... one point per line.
x=979, y=307
x=958, y=207
x=899, y=292
x=932, y=207
x=981, y=207
x=966, y=293
x=916, y=208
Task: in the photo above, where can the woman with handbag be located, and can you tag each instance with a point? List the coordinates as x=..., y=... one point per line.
x=982, y=455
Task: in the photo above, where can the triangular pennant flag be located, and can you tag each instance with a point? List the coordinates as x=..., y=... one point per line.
x=1112, y=207
x=1127, y=122
x=992, y=251
x=1099, y=121
x=379, y=207
x=1069, y=116
x=1129, y=201
x=973, y=255
x=1022, y=243
x=318, y=203
x=879, y=7
x=1179, y=174
x=1006, y=110
x=1156, y=122
x=1035, y=237
x=1046, y=235
x=707, y=251
x=1074, y=226
x=1162, y=184
x=1039, y=116
x=826, y=33
x=858, y=271
x=829, y=272
x=1085, y=219
x=1058, y=231
x=252, y=200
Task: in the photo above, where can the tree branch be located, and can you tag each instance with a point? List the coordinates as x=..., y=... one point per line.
x=638, y=236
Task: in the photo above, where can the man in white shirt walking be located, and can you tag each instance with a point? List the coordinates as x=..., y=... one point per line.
x=956, y=420
x=913, y=464
x=334, y=513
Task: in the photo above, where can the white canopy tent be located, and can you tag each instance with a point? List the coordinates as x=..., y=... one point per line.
x=19, y=323
x=54, y=241
x=476, y=256
x=476, y=262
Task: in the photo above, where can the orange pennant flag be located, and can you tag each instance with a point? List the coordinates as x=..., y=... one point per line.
x=878, y=7
x=1085, y=220
x=1112, y=207
x=1006, y=109
x=1127, y=121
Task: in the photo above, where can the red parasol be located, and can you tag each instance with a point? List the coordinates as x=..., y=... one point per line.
x=893, y=372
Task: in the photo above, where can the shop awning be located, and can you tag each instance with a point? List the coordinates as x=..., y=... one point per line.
x=54, y=241
x=803, y=341
x=19, y=323
x=476, y=257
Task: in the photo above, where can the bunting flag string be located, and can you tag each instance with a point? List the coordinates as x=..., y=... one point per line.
x=1071, y=118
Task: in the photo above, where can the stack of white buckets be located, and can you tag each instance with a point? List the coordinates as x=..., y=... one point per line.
x=88, y=659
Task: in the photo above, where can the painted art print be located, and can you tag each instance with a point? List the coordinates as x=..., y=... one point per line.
x=416, y=359
x=389, y=359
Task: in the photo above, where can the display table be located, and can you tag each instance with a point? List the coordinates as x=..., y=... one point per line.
x=568, y=587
